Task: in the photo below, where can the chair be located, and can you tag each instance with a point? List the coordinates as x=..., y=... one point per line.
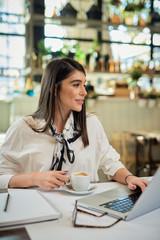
x=124, y=144
x=102, y=177
x=147, y=155
x=116, y=141
x=129, y=152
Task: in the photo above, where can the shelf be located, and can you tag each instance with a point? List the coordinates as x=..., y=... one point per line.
x=10, y=18
x=39, y=71
x=34, y=71
x=100, y=29
x=37, y=19
x=97, y=24
x=88, y=23
x=11, y=72
x=110, y=75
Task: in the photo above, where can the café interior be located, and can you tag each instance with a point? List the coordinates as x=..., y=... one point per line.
x=121, y=56
x=118, y=44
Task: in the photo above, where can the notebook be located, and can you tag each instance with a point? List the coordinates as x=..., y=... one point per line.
x=25, y=206
x=146, y=202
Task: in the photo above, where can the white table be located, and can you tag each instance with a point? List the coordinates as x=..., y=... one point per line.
x=146, y=227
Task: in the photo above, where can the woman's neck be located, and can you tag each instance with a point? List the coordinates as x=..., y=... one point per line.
x=60, y=116
x=60, y=121
x=59, y=126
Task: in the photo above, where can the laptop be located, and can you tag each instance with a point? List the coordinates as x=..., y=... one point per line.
x=115, y=201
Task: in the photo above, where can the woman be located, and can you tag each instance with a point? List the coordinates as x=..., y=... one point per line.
x=59, y=138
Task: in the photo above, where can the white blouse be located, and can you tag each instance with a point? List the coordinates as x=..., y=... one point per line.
x=25, y=150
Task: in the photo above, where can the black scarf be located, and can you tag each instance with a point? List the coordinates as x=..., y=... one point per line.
x=64, y=147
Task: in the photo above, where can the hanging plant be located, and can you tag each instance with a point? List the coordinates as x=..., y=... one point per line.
x=42, y=50
x=130, y=7
x=115, y=2
x=140, y=6
x=136, y=73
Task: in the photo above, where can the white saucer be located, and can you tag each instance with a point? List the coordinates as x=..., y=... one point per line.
x=68, y=188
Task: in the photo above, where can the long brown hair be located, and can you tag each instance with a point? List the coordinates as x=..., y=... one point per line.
x=56, y=71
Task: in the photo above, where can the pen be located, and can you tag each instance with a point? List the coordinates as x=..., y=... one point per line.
x=7, y=201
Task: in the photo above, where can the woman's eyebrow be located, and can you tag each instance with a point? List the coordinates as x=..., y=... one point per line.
x=76, y=80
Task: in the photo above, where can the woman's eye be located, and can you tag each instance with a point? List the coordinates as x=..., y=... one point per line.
x=76, y=85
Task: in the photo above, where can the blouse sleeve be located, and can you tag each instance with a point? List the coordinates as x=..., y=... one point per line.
x=10, y=152
x=109, y=159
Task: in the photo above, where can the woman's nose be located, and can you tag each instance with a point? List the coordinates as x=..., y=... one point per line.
x=83, y=91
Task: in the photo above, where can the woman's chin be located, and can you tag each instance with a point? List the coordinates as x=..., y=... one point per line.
x=78, y=109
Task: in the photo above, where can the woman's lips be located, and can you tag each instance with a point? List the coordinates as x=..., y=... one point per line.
x=80, y=101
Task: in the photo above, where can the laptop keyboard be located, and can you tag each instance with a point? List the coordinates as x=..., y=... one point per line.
x=123, y=204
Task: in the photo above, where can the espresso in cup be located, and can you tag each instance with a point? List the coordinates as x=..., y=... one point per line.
x=80, y=174
x=80, y=181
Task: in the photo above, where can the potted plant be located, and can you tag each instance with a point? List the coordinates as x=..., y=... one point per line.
x=152, y=97
x=136, y=73
x=80, y=56
x=43, y=53
x=142, y=17
x=66, y=51
x=115, y=15
x=73, y=51
x=91, y=96
x=142, y=99
x=158, y=100
x=129, y=11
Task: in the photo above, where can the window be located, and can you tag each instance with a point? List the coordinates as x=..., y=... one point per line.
x=12, y=38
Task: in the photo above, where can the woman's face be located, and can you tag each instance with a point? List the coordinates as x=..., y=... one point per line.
x=72, y=92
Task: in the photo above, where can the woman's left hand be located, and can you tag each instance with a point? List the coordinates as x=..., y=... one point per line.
x=134, y=182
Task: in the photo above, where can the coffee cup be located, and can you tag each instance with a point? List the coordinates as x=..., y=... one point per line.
x=80, y=181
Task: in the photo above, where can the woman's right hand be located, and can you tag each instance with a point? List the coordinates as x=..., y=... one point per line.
x=46, y=180
x=51, y=179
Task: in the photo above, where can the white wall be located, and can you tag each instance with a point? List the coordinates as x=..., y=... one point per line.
x=116, y=114
x=122, y=114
